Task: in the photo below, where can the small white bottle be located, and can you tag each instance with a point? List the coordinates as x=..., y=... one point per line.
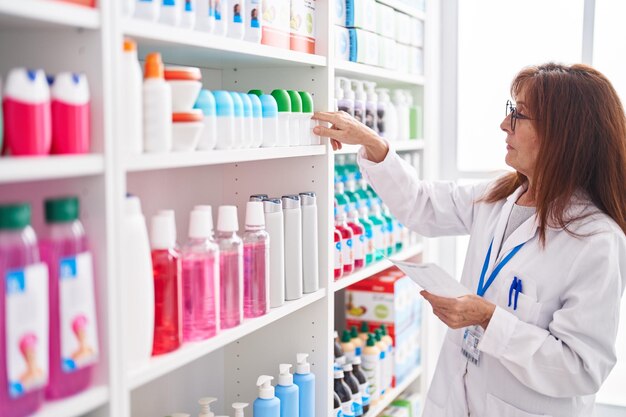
x=307, y=137
x=239, y=409
x=387, y=115
x=239, y=131
x=170, y=12
x=221, y=17
x=402, y=113
x=293, y=246
x=188, y=18
x=205, y=406
x=236, y=22
x=284, y=117
x=253, y=21
x=206, y=103
x=360, y=97
x=225, y=120
x=132, y=111
x=157, y=107
x=270, y=120
x=205, y=15
x=274, y=225
x=257, y=120
x=295, y=117
x=248, y=122
x=147, y=10
x=310, y=257
x=371, y=106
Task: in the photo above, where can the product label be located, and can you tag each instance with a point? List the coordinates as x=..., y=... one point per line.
x=371, y=369
x=370, y=119
x=358, y=114
x=357, y=404
x=79, y=333
x=255, y=11
x=217, y=10
x=347, y=409
x=365, y=395
x=237, y=18
x=380, y=238
x=347, y=252
x=338, y=256
x=27, y=328
x=338, y=412
x=359, y=247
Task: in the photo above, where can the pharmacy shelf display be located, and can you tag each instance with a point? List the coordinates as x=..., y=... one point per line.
x=59, y=36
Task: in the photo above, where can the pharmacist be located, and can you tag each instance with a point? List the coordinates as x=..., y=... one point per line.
x=547, y=250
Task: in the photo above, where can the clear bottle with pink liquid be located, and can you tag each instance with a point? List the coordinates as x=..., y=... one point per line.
x=200, y=278
x=256, y=253
x=23, y=337
x=73, y=324
x=231, y=267
x=166, y=266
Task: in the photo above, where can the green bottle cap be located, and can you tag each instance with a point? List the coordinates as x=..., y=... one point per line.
x=370, y=340
x=346, y=337
x=383, y=329
x=365, y=328
x=307, y=101
x=282, y=100
x=354, y=332
x=61, y=210
x=377, y=335
x=256, y=92
x=14, y=216
x=296, y=101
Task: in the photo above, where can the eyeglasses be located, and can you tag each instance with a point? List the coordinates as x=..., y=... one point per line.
x=512, y=110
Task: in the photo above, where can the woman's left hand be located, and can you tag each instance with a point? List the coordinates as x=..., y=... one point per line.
x=460, y=312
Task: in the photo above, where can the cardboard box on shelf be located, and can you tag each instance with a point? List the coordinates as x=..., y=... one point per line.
x=302, y=26
x=275, y=17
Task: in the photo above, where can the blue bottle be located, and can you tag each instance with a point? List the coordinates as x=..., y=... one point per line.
x=305, y=381
x=267, y=405
x=287, y=392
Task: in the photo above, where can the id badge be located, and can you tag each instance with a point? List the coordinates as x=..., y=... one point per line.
x=469, y=348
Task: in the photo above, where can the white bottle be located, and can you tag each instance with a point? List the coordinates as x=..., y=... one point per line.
x=273, y=209
x=206, y=103
x=221, y=17
x=253, y=21
x=371, y=106
x=248, y=121
x=205, y=15
x=225, y=120
x=284, y=116
x=239, y=131
x=257, y=120
x=348, y=94
x=239, y=409
x=360, y=98
x=147, y=10
x=128, y=8
x=390, y=116
x=169, y=213
x=132, y=110
x=294, y=120
x=170, y=12
x=310, y=257
x=205, y=406
x=188, y=18
x=402, y=111
x=137, y=275
x=270, y=120
x=237, y=20
x=157, y=107
x=293, y=246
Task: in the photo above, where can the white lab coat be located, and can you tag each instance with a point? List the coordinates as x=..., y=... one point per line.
x=550, y=356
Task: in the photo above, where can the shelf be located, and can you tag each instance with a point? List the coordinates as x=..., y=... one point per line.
x=76, y=405
x=46, y=14
x=182, y=46
x=393, y=394
x=380, y=75
x=377, y=267
x=148, y=162
x=404, y=146
x=19, y=169
x=161, y=365
x=405, y=8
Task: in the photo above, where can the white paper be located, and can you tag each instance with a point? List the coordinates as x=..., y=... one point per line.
x=433, y=279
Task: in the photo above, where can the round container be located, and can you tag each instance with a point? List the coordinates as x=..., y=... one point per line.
x=186, y=130
x=186, y=85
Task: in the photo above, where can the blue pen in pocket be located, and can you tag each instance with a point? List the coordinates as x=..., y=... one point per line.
x=516, y=286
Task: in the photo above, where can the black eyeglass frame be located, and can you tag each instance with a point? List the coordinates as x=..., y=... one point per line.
x=515, y=115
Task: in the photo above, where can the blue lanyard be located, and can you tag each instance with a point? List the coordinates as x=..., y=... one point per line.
x=482, y=286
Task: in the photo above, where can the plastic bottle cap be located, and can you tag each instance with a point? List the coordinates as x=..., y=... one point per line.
x=224, y=105
x=307, y=198
x=130, y=45
x=266, y=390
x=200, y=224
x=256, y=92
x=346, y=337
x=239, y=409
x=296, y=101
x=269, y=106
x=28, y=86
x=302, y=366
x=283, y=101
x=132, y=205
x=273, y=205
x=285, y=378
x=227, y=219
x=237, y=104
x=61, y=210
x=307, y=101
x=182, y=73
x=291, y=202
x=257, y=107
x=247, y=104
x=254, y=214
x=347, y=367
x=206, y=103
x=356, y=360
x=365, y=328
x=258, y=197
x=71, y=88
x=205, y=406
x=162, y=232
x=190, y=116
x=371, y=341
x=354, y=332
x=14, y=216
x=153, y=66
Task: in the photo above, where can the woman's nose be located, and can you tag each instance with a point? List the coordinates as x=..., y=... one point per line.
x=506, y=124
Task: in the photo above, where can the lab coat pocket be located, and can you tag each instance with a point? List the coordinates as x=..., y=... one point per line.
x=495, y=407
x=527, y=308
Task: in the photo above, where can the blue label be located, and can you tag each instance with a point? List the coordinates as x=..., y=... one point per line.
x=349, y=243
x=357, y=409
x=67, y=268
x=362, y=238
x=369, y=233
x=15, y=282
x=365, y=399
x=338, y=245
x=169, y=2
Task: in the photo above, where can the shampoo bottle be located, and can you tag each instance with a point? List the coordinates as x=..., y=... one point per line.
x=253, y=21
x=310, y=258
x=293, y=246
x=305, y=380
x=360, y=98
x=157, y=107
x=236, y=23
x=132, y=110
x=231, y=268
x=256, y=250
x=70, y=109
x=273, y=208
x=266, y=405
x=371, y=106
x=287, y=392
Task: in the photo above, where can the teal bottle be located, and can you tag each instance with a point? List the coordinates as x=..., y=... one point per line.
x=391, y=231
x=368, y=237
x=379, y=234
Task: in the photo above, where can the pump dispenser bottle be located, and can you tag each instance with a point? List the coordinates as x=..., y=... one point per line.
x=345, y=100
x=305, y=380
x=293, y=246
x=256, y=275
x=231, y=267
x=371, y=106
x=359, y=100
x=267, y=405
x=238, y=407
x=287, y=392
x=205, y=406
x=274, y=225
x=310, y=257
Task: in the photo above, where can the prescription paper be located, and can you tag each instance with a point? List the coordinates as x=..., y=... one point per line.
x=433, y=279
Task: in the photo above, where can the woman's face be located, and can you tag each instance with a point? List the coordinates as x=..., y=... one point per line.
x=523, y=143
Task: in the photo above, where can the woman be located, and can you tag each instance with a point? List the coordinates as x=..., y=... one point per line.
x=547, y=251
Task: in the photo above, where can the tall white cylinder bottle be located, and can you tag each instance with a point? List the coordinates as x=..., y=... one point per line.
x=293, y=247
x=310, y=256
x=157, y=107
x=132, y=111
x=273, y=208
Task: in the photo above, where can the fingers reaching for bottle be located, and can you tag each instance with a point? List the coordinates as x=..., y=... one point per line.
x=344, y=129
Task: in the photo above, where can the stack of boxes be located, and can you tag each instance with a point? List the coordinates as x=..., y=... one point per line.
x=393, y=299
x=408, y=404
x=289, y=24
x=375, y=34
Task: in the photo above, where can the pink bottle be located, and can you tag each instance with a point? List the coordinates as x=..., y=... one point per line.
x=256, y=266
x=73, y=325
x=231, y=268
x=200, y=278
x=23, y=337
x=346, y=241
x=166, y=266
x=26, y=106
x=70, y=114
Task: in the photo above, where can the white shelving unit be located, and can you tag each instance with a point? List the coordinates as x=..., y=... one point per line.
x=393, y=394
x=58, y=36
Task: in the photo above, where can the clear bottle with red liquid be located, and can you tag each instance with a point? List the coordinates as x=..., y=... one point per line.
x=231, y=267
x=338, y=258
x=358, y=239
x=167, y=271
x=256, y=272
x=346, y=240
